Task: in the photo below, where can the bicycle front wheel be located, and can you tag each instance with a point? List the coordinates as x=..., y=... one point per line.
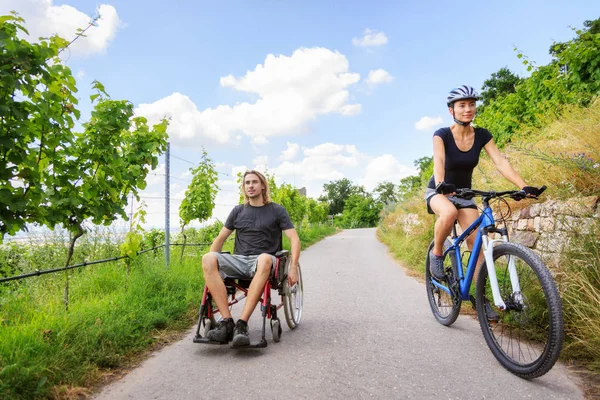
x=444, y=307
x=527, y=336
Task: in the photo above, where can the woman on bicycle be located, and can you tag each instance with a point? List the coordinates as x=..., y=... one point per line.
x=456, y=151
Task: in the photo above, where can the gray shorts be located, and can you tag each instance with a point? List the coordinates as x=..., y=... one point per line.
x=237, y=266
x=457, y=201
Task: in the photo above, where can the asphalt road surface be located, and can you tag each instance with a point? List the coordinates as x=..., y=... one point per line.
x=366, y=332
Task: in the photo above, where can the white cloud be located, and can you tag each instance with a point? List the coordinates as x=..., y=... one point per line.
x=379, y=76
x=321, y=164
x=385, y=168
x=290, y=152
x=370, y=38
x=42, y=19
x=261, y=162
x=291, y=90
x=428, y=123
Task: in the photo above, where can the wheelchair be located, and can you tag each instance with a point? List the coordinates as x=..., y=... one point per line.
x=291, y=301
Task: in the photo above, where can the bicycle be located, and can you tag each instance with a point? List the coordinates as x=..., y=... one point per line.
x=534, y=337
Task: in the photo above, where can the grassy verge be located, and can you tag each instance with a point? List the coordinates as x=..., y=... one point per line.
x=579, y=282
x=113, y=315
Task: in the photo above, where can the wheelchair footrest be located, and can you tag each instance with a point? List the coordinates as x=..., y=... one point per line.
x=261, y=344
x=204, y=340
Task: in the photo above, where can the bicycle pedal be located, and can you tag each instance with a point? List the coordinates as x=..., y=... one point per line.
x=473, y=302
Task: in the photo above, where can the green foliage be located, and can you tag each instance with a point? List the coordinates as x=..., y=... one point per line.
x=580, y=282
x=41, y=345
x=573, y=77
x=361, y=211
x=50, y=175
x=499, y=85
x=386, y=193
x=199, y=200
x=135, y=237
x=36, y=117
x=294, y=202
x=411, y=184
x=153, y=238
x=336, y=193
x=317, y=211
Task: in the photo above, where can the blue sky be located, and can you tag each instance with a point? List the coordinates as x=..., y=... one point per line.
x=285, y=85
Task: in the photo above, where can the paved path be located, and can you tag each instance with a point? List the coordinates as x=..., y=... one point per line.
x=367, y=332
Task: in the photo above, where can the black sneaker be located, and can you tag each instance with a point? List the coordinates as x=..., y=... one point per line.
x=492, y=316
x=223, y=332
x=240, y=334
x=436, y=266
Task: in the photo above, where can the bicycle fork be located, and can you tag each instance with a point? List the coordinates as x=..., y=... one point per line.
x=488, y=252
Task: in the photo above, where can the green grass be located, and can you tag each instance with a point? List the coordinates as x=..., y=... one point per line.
x=579, y=283
x=112, y=316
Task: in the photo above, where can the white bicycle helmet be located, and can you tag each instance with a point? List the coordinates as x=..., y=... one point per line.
x=461, y=93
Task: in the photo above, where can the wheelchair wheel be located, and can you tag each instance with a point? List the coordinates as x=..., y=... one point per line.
x=276, y=330
x=292, y=301
x=206, y=324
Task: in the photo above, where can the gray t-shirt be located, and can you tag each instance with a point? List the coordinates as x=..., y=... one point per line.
x=258, y=229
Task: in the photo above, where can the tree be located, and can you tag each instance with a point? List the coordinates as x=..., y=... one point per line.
x=498, y=85
x=199, y=201
x=336, y=193
x=386, y=193
x=412, y=183
x=295, y=204
x=50, y=175
x=361, y=211
x=317, y=211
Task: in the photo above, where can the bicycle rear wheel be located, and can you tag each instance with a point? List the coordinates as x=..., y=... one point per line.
x=444, y=307
x=528, y=336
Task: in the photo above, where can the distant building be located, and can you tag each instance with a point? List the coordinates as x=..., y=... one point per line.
x=302, y=191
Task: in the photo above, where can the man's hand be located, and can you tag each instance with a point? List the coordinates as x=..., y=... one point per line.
x=293, y=275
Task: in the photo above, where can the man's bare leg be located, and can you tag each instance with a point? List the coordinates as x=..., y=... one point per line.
x=214, y=281
x=263, y=269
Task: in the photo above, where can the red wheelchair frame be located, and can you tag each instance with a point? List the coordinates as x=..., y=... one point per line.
x=291, y=301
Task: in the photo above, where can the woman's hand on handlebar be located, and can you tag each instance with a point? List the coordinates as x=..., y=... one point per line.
x=445, y=188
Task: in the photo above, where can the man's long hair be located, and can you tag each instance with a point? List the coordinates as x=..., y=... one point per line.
x=266, y=194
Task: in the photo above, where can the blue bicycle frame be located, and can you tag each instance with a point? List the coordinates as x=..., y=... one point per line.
x=486, y=219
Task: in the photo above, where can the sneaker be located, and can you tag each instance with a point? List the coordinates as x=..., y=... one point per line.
x=436, y=266
x=223, y=332
x=240, y=334
x=492, y=316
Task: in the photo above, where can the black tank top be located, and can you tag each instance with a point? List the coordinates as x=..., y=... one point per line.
x=459, y=165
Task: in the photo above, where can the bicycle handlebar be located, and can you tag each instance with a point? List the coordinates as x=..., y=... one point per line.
x=513, y=194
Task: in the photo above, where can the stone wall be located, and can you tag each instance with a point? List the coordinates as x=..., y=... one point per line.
x=549, y=227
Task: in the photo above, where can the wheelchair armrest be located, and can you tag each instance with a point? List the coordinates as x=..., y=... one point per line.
x=225, y=252
x=282, y=253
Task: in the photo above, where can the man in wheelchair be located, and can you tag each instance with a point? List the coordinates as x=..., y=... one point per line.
x=258, y=224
